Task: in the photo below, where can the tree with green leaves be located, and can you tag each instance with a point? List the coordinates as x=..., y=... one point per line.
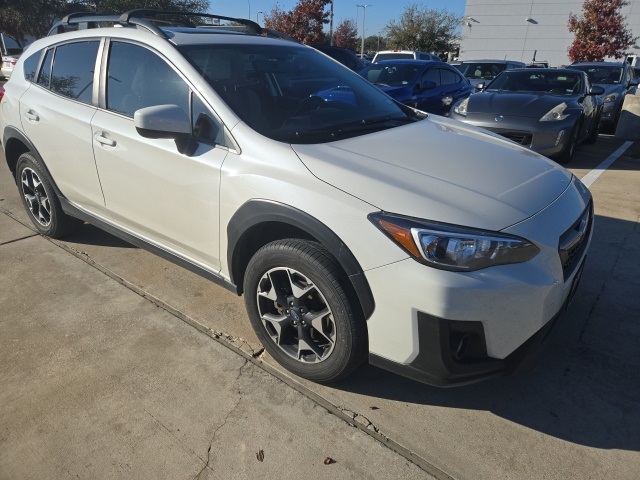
x=304, y=22
x=346, y=35
x=19, y=18
x=600, y=32
x=425, y=29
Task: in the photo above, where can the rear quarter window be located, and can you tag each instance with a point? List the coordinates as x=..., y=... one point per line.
x=30, y=66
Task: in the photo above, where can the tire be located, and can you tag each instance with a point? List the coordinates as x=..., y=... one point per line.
x=40, y=200
x=301, y=311
x=566, y=154
x=593, y=136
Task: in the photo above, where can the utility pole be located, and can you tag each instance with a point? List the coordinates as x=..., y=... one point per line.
x=364, y=13
x=331, y=25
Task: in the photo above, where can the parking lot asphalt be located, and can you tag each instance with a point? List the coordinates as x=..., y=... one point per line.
x=114, y=363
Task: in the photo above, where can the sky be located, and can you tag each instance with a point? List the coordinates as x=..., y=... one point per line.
x=378, y=13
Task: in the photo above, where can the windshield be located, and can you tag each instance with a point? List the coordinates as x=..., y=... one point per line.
x=554, y=82
x=604, y=75
x=390, y=74
x=294, y=94
x=485, y=71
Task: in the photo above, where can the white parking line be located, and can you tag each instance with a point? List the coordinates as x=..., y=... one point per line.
x=593, y=175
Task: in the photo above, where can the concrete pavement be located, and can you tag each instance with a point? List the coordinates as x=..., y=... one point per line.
x=102, y=374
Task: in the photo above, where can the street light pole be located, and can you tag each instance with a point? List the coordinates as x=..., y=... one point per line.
x=331, y=25
x=364, y=13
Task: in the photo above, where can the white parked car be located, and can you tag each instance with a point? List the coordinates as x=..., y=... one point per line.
x=357, y=229
x=11, y=50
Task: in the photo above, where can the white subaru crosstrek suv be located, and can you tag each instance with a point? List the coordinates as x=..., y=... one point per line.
x=356, y=229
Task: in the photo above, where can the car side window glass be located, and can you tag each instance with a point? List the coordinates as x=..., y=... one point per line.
x=30, y=66
x=73, y=67
x=432, y=75
x=448, y=77
x=45, y=72
x=139, y=78
x=207, y=128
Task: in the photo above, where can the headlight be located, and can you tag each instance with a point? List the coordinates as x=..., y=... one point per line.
x=449, y=247
x=610, y=98
x=555, y=114
x=461, y=108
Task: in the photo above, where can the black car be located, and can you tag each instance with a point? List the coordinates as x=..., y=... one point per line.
x=343, y=55
x=546, y=109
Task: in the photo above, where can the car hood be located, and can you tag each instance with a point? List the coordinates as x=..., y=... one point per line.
x=530, y=105
x=440, y=170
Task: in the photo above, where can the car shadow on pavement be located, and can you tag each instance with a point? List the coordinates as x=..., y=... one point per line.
x=585, y=386
x=90, y=235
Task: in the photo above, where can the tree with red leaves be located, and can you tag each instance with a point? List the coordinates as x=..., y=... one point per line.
x=346, y=35
x=304, y=22
x=600, y=32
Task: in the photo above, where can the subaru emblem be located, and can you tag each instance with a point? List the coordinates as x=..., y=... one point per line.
x=499, y=118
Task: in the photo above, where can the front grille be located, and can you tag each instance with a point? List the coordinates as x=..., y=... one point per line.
x=522, y=138
x=574, y=241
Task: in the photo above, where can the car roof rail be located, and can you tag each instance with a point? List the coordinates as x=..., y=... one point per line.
x=151, y=19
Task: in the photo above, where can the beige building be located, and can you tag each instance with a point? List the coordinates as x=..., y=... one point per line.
x=516, y=29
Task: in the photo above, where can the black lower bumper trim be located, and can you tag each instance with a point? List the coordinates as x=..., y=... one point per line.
x=442, y=364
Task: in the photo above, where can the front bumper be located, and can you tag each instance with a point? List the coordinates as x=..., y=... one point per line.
x=546, y=138
x=464, y=327
x=454, y=353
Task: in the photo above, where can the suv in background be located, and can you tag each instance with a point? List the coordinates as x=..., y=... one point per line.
x=11, y=51
x=404, y=55
x=617, y=79
x=483, y=71
x=354, y=231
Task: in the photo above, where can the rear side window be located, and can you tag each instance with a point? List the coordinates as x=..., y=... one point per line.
x=73, y=68
x=139, y=78
x=31, y=65
x=449, y=77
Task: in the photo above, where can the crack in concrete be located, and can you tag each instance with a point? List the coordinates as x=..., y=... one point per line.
x=224, y=422
x=362, y=421
x=18, y=239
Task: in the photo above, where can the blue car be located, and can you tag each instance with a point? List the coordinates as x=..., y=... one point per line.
x=426, y=85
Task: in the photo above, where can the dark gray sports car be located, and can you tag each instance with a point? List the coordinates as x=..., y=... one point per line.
x=548, y=110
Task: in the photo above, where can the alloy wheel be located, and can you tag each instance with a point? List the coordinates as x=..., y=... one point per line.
x=296, y=315
x=36, y=197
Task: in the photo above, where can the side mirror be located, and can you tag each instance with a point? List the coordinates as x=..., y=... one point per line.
x=480, y=87
x=634, y=82
x=162, y=121
x=166, y=121
x=596, y=90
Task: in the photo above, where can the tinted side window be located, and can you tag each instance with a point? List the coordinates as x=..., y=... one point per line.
x=73, y=69
x=449, y=77
x=139, y=78
x=432, y=75
x=45, y=73
x=30, y=65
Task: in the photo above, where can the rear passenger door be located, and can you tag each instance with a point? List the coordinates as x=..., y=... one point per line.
x=167, y=198
x=56, y=115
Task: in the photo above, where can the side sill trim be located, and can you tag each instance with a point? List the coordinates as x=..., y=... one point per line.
x=72, y=210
